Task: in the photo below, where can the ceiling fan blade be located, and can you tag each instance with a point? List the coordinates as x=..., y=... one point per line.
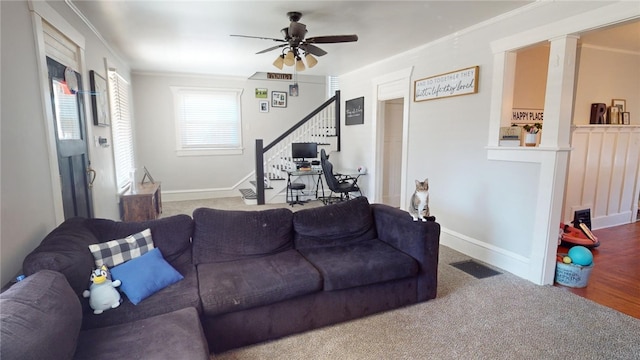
x=258, y=37
x=313, y=50
x=271, y=48
x=330, y=39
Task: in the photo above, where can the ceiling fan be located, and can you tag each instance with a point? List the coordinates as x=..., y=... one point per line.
x=294, y=41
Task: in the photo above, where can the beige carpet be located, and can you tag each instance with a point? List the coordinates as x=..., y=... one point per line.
x=499, y=317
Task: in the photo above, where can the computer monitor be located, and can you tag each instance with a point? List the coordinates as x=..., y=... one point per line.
x=304, y=151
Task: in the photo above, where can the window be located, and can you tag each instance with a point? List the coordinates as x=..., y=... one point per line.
x=333, y=85
x=121, y=127
x=208, y=121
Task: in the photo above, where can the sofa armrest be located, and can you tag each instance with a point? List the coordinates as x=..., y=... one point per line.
x=418, y=239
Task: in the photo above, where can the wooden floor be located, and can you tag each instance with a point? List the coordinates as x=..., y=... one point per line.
x=615, y=278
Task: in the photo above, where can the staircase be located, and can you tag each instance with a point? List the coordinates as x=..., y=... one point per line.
x=321, y=126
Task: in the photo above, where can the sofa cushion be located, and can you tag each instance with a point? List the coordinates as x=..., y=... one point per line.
x=223, y=235
x=358, y=264
x=115, y=252
x=175, y=335
x=343, y=223
x=172, y=235
x=242, y=284
x=145, y=275
x=66, y=250
x=177, y=296
x=40, y=318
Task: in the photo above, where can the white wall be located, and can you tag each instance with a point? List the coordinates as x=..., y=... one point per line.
x=28, y=197
x=211, y=176
x=603, y=75
x=481, y=204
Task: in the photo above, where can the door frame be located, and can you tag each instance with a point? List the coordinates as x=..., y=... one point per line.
x=396, y=85
x=42, y=11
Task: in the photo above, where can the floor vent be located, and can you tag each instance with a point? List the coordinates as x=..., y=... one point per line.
x=475, y=269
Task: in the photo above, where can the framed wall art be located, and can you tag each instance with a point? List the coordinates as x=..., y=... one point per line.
x=261, y=93
x=620, y=103
x=99, y=101
x=264, y=106
x=279, y=99
x=354, y=111
x=454, y=83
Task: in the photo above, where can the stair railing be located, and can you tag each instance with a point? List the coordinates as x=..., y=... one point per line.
x=275, y=158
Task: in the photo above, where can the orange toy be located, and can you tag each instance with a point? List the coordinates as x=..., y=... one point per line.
x=573, y=236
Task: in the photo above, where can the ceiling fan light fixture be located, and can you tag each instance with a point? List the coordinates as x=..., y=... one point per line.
x=299, y=64
x=279, y=63
x=311, y=61
x=289, y=60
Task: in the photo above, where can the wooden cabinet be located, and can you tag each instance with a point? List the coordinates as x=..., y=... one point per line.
x=142, y=202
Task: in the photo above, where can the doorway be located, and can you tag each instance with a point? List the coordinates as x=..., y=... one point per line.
x=391, y=91
x=68, y=108
x=392, y=125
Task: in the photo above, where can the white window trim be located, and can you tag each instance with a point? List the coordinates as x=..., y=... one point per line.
x=204, y=151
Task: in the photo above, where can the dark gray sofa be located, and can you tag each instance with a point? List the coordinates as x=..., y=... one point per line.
x=41, y=318
x=259, y=275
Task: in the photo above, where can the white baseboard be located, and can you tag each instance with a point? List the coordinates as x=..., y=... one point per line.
x=602, y=222
x=199, y=194
x=487, y=253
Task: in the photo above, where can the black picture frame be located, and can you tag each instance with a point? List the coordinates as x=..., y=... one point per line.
x=354, y=111
x=99, y=99
x=279, y=99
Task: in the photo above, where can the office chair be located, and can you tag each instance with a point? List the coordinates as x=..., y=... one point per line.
x=339, y=184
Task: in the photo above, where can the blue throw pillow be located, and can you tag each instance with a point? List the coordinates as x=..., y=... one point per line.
x=145, y=275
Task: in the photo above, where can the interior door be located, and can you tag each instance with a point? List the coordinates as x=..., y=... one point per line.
x=69, y=123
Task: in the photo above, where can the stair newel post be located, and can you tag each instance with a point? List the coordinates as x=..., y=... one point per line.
x=259, y=172
x=337, y=105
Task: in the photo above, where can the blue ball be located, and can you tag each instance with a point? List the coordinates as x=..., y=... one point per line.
x=580, y=255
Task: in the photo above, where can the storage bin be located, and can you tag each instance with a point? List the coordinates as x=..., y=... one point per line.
x=572, y=275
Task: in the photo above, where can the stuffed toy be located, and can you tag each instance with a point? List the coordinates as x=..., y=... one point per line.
x=102, y=293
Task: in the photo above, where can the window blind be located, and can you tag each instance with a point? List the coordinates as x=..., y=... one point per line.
x=332, y=86
x=208, y=118
x=121, y=128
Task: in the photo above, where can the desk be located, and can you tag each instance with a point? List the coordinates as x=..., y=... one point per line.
x=319, y=183
x=142, y=202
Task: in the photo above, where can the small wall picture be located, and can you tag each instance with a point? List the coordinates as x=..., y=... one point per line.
x=293, y=90
x=99, y=99
x=279, y=99
x=264, y=106
x=261, y=93
x=626, y=118
x=620, y=103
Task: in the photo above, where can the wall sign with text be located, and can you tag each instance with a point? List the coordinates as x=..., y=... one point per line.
x=354, y=111
x=527, y=116
x=455, y=83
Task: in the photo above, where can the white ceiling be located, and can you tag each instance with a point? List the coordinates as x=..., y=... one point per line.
x=193, y=36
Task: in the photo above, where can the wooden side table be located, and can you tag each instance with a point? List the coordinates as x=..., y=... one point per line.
x=142, y=202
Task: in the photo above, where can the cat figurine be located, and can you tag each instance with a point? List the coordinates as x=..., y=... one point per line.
x=419, y=206
x=102, y=293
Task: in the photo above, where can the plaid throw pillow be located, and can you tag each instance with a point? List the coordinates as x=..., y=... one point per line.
x=114, y=252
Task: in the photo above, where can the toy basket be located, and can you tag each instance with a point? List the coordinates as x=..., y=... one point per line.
x=572, y=275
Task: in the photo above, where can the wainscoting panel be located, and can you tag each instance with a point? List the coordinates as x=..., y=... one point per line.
x=603, y=174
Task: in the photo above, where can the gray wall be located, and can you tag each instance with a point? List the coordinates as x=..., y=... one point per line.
x=211, y=176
